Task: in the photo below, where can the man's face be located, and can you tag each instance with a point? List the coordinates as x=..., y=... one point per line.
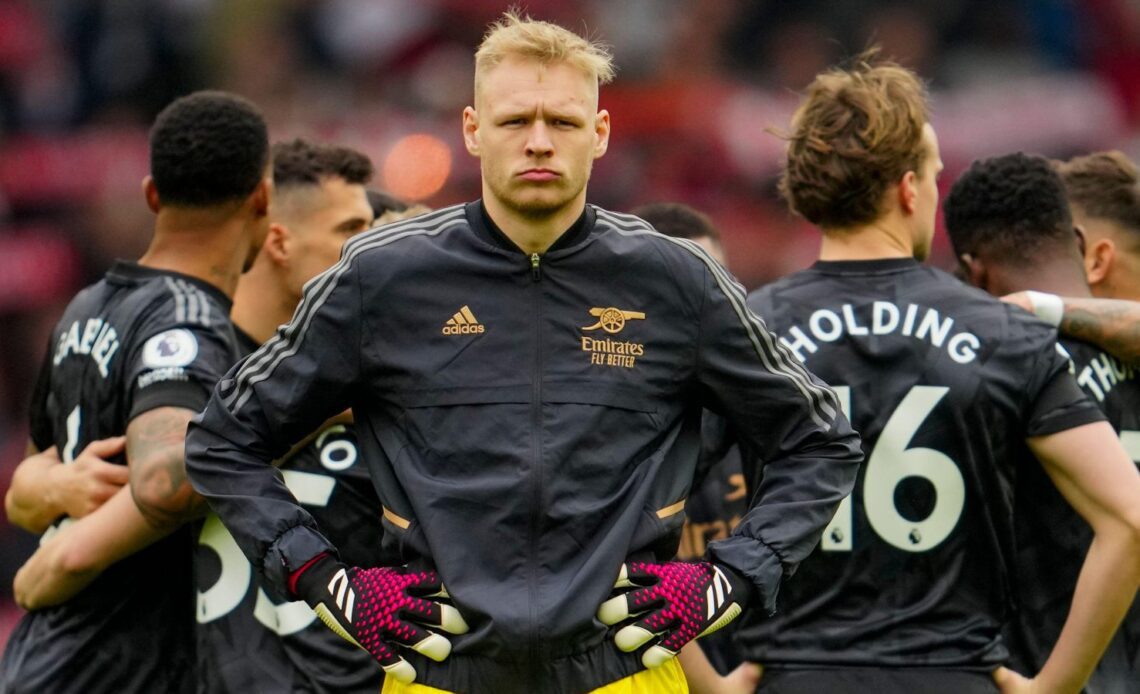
x=926, y=204
x=536, y=130
x=320, y=219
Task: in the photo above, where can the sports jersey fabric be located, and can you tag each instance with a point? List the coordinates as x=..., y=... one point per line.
x=944, y=383
x=531, y=423
x=138, y=339
x=1053, y=539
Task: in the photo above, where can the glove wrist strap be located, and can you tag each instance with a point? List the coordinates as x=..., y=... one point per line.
x=301, y=579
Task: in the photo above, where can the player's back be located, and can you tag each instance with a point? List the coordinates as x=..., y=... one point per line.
x=1053, y=539
x=136, y=340
x=943, y=383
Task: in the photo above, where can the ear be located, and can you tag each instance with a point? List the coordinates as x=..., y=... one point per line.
x=150, y=192
x=1099, y=257
x=261, y=195
x=973, y=270
x=602, y=131
x=471, y=130
x=908, y=192
x=278, y=244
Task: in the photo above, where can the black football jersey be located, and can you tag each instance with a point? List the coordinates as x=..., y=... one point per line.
x=1053, y=539
x=138, y=339
x=944, y=383
x=248, y=642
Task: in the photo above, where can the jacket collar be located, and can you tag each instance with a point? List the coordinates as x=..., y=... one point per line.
x=490, y=232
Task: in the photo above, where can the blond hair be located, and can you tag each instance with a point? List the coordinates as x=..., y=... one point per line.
x=855, y=134
x=521, y=36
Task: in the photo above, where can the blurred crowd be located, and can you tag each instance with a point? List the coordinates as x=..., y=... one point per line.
x=702, y=92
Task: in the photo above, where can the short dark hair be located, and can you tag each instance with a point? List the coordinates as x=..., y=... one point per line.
x=1009, y=208
x=382, y=202
x=1105, y=185
x=678, y=220
x=301, y=162
x=208, y=148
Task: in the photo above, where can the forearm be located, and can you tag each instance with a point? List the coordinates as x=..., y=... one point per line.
x=1113, y=325
x=699, y=672
x=796, y=499
x=76, y=555
x=30, y=502
x=1105, y=589
x=274, y=532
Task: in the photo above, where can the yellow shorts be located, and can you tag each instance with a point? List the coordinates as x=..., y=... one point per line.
x=667, y=679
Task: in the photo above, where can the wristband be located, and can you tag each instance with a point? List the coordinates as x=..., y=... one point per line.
x=1048, y=307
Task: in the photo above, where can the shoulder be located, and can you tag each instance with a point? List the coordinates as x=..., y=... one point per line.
x=789, y=286
x=626, y=233
x=168, y=301
x=406, y=234
x=175, y=322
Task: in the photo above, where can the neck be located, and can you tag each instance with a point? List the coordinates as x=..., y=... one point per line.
x=1122, y=282
x=533, y=233
x=262, y=302
x=208, y=244
x=884, y=238
x=1057, y=276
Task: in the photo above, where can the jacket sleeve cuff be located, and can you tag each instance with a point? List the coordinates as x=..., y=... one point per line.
x=288, y=554
x=754, y=561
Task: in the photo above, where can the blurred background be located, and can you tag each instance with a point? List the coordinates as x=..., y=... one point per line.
x=699, y=87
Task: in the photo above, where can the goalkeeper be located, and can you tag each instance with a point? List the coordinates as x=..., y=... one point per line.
x=527, y=374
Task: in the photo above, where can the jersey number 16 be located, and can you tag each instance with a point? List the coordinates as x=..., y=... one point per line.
x=889, y=463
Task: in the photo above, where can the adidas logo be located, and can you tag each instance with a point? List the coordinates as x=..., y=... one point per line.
x=717, y=593
x=463, y=323
x=342, y=593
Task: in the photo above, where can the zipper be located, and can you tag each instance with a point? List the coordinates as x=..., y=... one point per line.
x=536, y=455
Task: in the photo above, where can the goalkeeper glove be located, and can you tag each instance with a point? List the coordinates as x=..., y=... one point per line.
x=379, y=608
x=676, y=601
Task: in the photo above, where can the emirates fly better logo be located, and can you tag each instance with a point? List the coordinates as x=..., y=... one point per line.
x=606, y=351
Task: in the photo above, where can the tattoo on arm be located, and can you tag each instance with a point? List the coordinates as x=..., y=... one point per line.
x=1113, y=325
x=156, y=443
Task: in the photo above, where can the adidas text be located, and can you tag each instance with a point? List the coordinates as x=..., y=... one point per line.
x=462, y=329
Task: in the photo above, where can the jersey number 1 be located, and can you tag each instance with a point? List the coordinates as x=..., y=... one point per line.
x=889, y=463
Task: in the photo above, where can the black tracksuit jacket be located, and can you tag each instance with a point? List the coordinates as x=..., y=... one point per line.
x=530, y=423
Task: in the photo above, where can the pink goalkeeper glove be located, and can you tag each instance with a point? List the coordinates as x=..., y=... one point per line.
x=377, y=609
x=675, y=601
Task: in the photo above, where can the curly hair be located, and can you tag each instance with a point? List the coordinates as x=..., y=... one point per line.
x=856, y=133
x=301, y=162
x=208, y=148
x=1104, y=185
x=1008, y=208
